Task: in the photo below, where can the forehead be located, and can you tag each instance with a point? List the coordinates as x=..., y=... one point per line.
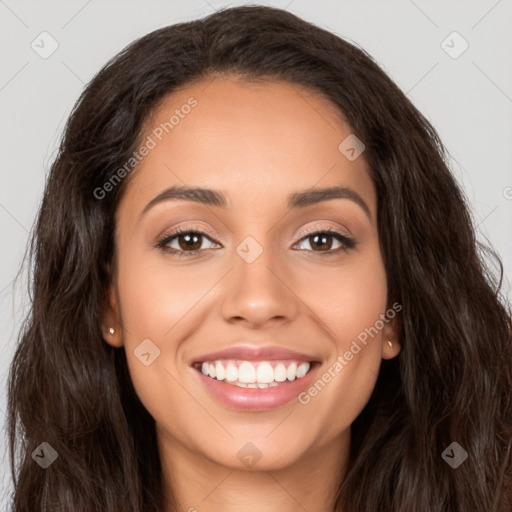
x=250, y=140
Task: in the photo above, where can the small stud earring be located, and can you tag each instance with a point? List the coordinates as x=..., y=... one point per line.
x=390, y=344
x=111, y=330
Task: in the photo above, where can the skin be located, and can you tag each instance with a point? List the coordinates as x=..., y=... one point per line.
x=257, y=143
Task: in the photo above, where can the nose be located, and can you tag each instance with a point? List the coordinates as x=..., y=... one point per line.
x=259, y=291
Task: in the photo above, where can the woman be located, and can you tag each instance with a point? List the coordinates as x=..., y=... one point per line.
x=257, y=287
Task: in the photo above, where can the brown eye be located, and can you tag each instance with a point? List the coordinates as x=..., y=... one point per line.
x=190, y=241
x=322, y=242
x=184, y=242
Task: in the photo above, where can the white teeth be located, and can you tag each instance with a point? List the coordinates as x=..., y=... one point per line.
x=265, y=373
x=302, y=370
x=231, y=373
x=247, y=373
x=254, y=385
x=219, y=370
x=280, y=373
x=259, y=375
x=291, y=372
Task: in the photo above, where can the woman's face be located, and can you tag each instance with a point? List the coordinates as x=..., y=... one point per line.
x=268, y=274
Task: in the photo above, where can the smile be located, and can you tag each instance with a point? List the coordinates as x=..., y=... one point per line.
x=254, y=374
x=255, y=385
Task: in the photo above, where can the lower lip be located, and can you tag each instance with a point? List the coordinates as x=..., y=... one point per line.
x=256, y=399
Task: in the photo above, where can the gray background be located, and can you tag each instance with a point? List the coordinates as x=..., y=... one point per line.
x=468, y=99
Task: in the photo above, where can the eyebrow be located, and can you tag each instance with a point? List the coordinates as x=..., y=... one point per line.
x=301, y=199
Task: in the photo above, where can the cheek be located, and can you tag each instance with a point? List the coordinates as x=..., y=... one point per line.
x=358, y=322
x=155, y=295
x=157, y=303
x=361, y=300
x=350, y=304
x=347, y=299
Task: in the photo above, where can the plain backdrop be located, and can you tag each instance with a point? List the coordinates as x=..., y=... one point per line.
x=467, y=95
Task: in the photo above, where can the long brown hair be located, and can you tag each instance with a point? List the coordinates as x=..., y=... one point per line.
x=452, y=381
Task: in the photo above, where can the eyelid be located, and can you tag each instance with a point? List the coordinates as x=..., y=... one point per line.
x=199, y=228
x=202, y=230
x=346, y=238
x=329, y=229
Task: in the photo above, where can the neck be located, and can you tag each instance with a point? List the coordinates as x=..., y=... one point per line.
x=199, y=484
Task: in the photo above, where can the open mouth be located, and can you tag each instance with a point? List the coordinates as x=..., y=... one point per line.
x=255, y=374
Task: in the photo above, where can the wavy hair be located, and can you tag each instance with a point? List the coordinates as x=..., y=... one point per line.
x=451, y=382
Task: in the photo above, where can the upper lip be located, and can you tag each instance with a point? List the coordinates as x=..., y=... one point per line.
x=247, y=353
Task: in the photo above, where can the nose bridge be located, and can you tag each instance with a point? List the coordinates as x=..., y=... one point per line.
x=256, y=289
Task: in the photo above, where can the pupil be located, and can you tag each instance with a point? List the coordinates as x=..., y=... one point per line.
x=323, y=242
x=188, y=240
x=191, y=240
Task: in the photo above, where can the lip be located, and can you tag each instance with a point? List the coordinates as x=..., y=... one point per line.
x=248, y=353
x=256, y=399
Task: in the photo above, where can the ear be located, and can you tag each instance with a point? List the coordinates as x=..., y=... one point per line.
x=111, y=324
x=391, y=335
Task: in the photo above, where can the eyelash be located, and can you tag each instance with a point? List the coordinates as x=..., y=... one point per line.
x=348, y=243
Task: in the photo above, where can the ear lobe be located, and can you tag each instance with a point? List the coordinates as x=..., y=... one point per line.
x=390, y=337
x=111, y=324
